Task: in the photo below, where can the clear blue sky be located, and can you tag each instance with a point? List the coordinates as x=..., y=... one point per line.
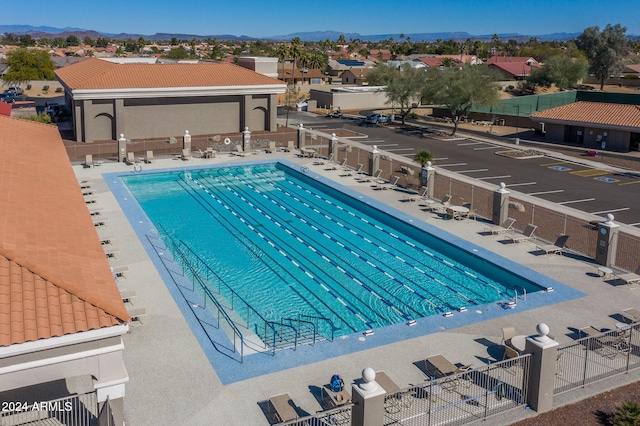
x=260, y=18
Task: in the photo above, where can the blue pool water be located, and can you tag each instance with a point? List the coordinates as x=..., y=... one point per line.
x=291, y=245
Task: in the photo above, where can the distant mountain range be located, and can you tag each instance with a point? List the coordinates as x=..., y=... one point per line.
x=51, y=32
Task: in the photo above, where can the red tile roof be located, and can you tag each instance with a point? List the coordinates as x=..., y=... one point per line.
x=99, y=74
x=594, y=113
x=516, y=69
x=54, y=276
x=513, y=59
x=431, y=62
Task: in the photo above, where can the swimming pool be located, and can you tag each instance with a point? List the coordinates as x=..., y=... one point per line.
x=291, y=245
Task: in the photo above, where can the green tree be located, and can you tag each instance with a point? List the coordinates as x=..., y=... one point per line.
x=566, y=72
x=604, y=50
x=72, y=40
x=403, y=86
x=282, y=52
x=26, y=65
x=26, y=41
x=460, y=89
x=102, y=42
x=178, y=53
x=296, y=51
x=448, y=63
x=89, y=41
x=421, y=157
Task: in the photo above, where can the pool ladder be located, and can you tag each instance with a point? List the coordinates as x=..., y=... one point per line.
x=523, y=294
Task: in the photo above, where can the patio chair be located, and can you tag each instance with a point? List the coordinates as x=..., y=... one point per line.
x=136, y=316
x=149, y=158
x=631, y=279
x=631, y=314
x=503, y=228
x=439, y=366
x=88, y=160
x=606, y=344
x=127, y=296
x=186, y=155
x=131, y=158
x=120, y=272
x=420, y=195
x=384, y=185
x=555, y=248
x=507, y=334
x=520, y=237
x=272, y=147
x=443, y=206
x=344, y=163
x=284, y=408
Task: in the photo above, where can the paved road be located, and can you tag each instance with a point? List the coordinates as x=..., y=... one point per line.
x=566, y=182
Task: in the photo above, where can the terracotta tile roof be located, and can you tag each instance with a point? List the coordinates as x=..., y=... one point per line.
x=54, y=276
x=98, y=74
x=594, y=112
x=517, y=69
x=431, y=61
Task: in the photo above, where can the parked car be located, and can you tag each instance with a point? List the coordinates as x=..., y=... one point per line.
x=378, y=119
x=7, y=97
x=335, y=114
x=15, y=90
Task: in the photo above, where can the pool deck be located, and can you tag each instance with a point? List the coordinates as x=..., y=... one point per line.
x=171, y=378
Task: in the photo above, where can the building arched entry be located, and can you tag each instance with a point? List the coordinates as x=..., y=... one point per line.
x=103, y=127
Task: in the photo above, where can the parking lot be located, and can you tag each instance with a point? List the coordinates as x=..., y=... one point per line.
x=582, y=184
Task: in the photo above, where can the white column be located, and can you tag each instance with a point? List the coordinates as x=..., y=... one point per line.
x=368, y=399
x=122, y=148
x=542, y=369
x=500, y=204
x=607, y=242
x=186, y=140
x=246, y=140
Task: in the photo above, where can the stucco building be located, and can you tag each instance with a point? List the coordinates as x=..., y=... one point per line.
x=62, y=317
x=145, y=101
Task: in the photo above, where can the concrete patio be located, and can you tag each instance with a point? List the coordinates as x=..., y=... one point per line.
x=172, y=381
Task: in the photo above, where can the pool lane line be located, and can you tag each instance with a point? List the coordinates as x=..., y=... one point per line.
x=409, y=278
x=391, y=305
x=435, y=270
x=261, y=194
x=319, y=299
x=443, y=298
x=279, y=248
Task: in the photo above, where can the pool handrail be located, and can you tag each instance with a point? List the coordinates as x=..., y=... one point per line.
x=268, y=325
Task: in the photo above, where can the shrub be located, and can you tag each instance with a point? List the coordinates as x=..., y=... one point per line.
x=627, y=415
x=28, y=87
x=58, y=89
x=45, y=88
x=631, y=77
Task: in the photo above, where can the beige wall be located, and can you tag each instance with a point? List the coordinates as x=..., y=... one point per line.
x=147, y=118
x=346, y=100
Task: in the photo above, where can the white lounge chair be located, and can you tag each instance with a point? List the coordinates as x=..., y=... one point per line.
x=505, y=227
x=284, y=408
x=520, y=237
x=137, y=315
x=186, y=155
x=149, y=158
x=631, y=278
x=239, y=151
x=419, y=196
x=88, y=160
x=128, y=296
x=555, y=248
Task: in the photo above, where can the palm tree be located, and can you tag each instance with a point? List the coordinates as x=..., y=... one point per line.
x=282, y=52
x=422, y=157
x=295, y=50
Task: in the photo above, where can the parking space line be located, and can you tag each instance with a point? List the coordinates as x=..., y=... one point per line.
x=372, y=140
x=401, y=149
x=442, y=158
x=612, y=210
x=546, y=192
x=494, y=177
x=470, y=143
x=470, y=171
x=522, y=184
x=487, y=147
x=389, y=144
x=634, y=224
x=629, y=183
x=451, y=165
x=576, y=201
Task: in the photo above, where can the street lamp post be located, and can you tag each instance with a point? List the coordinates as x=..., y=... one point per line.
x=517, y=118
